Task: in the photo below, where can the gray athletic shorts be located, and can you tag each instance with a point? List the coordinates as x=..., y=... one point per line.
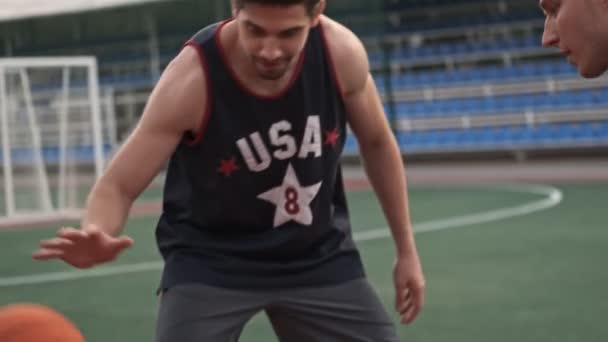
x=349, y=312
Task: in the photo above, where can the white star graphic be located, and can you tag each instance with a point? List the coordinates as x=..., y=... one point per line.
x=291, y=199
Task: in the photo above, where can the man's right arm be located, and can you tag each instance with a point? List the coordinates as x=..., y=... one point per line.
x=176, y=106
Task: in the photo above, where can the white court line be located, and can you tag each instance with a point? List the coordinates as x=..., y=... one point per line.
x=552, y=197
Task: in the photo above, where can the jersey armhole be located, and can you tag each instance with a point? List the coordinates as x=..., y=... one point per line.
x=196, y=138
x=332, y=65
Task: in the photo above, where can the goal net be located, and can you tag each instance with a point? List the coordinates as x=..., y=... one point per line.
x=54, y=137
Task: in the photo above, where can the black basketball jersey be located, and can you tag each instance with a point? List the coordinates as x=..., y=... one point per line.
x=257, y=199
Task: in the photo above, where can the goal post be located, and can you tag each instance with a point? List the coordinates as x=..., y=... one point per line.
x=54, y=137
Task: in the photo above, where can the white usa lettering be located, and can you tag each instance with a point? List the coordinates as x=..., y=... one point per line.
x=283, y=142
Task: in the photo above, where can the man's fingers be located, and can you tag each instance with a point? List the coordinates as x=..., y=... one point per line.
x=410, y=315
x=47, y=254
x=397, y=299
x=67, y=230
x=418, y=295
x=416, y=303
x=400, y=295
x=405, y=304
x=72, y=234
x=124, y=242
x=82, y=248
x=118, y=243
x=56, y=243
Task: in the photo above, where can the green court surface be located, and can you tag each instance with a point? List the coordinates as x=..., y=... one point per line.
x=502, y=264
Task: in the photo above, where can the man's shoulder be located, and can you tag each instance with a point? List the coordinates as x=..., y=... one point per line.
x=347, y=52
x=206, y=33
x=342, y=42
x=335, y=32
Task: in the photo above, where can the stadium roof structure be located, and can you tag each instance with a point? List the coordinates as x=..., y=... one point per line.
x=23, y=9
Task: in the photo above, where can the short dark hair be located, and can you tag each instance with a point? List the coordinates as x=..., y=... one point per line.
x=309, y=4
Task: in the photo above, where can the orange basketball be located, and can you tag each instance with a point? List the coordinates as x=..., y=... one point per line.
x=36, y=323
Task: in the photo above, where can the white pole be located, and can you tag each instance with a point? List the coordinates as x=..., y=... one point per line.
x=45, y=195
x=46, y=62
x=96, y=116
x=111, y=117
x=153, y=47
x=63, y=138
x=9, y=191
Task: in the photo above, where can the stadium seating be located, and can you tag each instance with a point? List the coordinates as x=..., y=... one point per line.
x=487, y=74
x=507, y=103
x=458, y=48
x=462, y=22
x=393, y=5
x=507, y=137
x=493, y=45
x=499, y=138
x=51, y=154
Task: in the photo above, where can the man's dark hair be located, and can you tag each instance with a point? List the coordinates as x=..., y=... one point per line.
x=309, y=4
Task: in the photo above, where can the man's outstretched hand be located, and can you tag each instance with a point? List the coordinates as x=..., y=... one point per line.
x=82, y=248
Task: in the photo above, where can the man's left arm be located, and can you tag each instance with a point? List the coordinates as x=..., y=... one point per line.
x=383, y=164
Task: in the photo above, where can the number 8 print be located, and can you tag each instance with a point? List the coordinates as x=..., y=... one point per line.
x=291, y=203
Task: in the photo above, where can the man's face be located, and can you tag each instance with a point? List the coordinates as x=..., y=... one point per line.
x=273, y=36
x=579, y=29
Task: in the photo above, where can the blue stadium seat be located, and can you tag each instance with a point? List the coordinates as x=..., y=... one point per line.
x=50, y=154
x=543, y=135
x=503, y=104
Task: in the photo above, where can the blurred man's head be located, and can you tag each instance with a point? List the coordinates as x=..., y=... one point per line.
x=579, y=29
x=273, y=32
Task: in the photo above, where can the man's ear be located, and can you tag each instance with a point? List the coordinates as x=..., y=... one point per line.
x=318, y=11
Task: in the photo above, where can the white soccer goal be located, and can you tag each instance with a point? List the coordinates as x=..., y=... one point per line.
x=54, y=138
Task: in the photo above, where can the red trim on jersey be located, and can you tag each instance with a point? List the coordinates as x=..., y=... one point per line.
x=332, y=65
x=207, y=113
x=244, y=87
x=331, y=137
x=228, y=167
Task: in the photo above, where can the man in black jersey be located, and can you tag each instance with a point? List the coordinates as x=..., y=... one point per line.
x=579, y=29
x=252, y=116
